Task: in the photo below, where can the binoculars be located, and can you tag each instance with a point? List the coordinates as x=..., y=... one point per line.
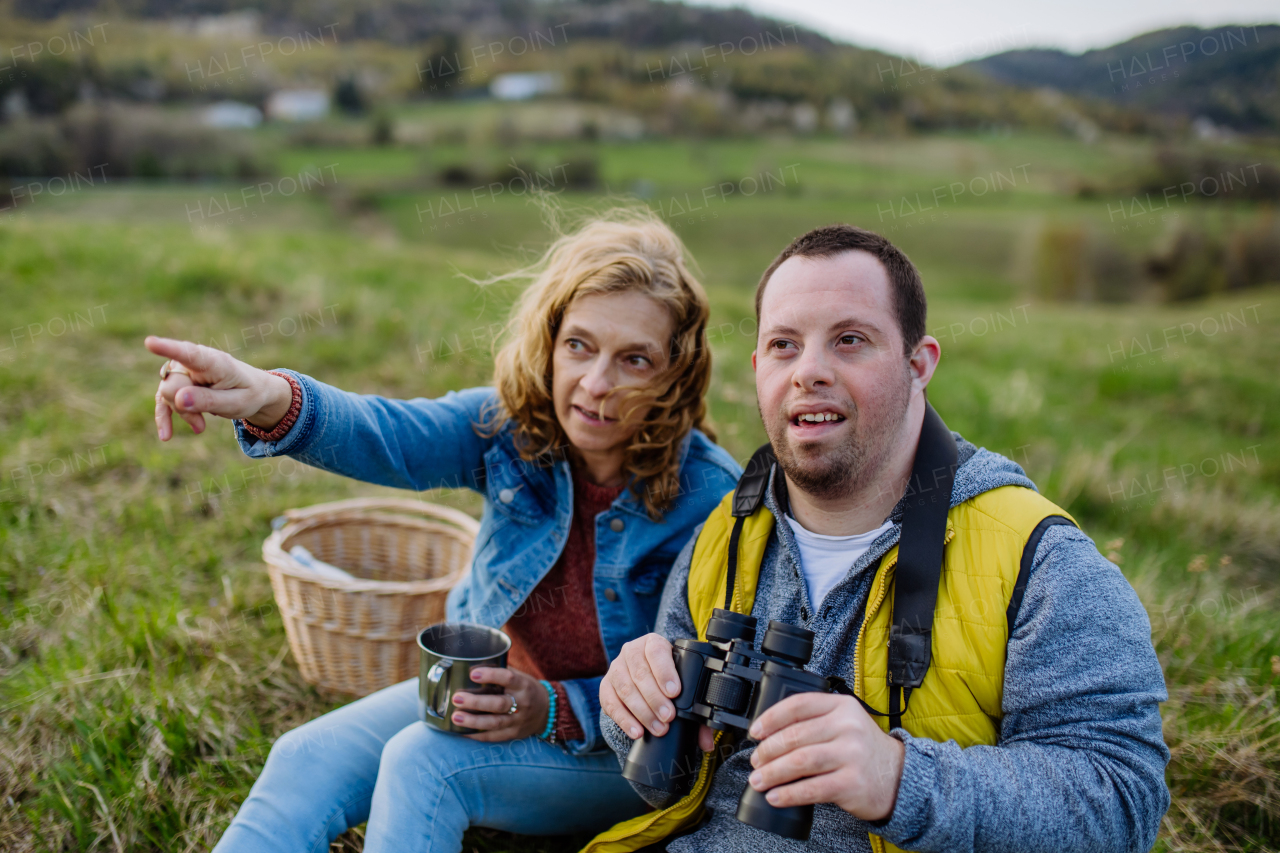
x=721, y=687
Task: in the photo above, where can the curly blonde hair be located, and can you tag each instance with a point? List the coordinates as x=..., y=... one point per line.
x=622, y=250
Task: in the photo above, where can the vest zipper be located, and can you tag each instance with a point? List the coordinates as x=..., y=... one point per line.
x=882, y=581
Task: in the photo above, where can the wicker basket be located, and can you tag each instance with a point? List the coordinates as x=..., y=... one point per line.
x=359, y=636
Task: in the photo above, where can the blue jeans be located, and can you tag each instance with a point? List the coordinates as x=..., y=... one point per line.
x=419, y=789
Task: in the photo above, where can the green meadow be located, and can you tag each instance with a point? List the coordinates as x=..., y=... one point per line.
x=144, y=671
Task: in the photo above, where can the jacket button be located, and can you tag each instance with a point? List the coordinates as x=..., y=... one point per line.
x=616, y=525
x=611, y=594
x=804, y=613
x=506, y=496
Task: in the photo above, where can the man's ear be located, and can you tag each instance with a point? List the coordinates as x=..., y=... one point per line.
x=924, y=361
x=753, y=360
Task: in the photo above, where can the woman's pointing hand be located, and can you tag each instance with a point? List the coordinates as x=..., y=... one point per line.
x=218, y=385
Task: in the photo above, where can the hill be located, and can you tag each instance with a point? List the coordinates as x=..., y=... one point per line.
x=633, y=23
x=1227, y=74
x=680, y=69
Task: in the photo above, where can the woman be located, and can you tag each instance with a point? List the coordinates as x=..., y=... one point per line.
x=592, y=454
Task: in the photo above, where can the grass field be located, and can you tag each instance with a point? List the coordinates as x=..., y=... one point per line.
x=144, y=669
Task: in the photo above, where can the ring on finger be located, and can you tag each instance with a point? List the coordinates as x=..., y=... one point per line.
x=514, y=704
x=168, y=367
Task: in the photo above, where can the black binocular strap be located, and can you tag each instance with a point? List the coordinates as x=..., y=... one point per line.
x=747, y=498
x=924, y=527
x=895, y=713
x=732, y=575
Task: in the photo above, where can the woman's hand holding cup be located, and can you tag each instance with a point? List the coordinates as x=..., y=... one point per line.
x=218, y=384
x=489, y=712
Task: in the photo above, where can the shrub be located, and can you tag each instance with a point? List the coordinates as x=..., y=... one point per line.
x=582, y=171
x=125, y=141
x=1073, y=263
x=456, y=175
x=1059, y=269
x=347, y=95
x=438, y=68
x=519, y=170
x=383, y=131
x=49, y=85
x=30, y=148
x=1192, y=265
x=1253, y=255
x=324, y=134
x=1210, y=176
x=1197, y=262
x=1116, y=274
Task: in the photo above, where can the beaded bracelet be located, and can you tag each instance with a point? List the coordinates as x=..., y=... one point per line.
x=549, y=733
x=286, y=423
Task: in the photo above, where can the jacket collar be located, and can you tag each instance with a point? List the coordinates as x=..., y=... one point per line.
x=627, y=501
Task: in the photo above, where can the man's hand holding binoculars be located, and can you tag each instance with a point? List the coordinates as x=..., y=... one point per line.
x=812, y=747
x=835, y=750
x=637, y=691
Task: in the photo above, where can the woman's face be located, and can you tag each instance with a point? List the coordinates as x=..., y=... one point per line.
x=606, y=341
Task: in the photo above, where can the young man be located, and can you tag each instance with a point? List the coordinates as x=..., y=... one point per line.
x=1037, y=725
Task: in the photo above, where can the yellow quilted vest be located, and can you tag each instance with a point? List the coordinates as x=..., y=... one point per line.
x=960, y=698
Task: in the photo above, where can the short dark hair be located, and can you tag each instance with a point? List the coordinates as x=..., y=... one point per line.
x=909, y=304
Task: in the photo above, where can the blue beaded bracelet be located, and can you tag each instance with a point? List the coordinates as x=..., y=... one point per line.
x=549, y=733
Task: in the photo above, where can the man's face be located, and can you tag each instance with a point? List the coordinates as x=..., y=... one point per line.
x=832, y=381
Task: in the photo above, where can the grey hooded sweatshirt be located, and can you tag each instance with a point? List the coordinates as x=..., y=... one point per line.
x=1079, y=765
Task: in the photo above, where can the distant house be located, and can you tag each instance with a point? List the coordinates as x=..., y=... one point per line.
x=231, y=114
x=298, y=105
x=521, y=87
x=804, y=118
x=841, y=116
x=15, y=104
x=236, y=25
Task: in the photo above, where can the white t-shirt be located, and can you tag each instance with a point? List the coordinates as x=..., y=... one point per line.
x=825, y=560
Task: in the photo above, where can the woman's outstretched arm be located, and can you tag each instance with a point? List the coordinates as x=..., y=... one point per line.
x=409, y=444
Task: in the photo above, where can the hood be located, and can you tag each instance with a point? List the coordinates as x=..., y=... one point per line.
x=978, y=470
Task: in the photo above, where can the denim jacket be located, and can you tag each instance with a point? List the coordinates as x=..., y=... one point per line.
x=424, y=444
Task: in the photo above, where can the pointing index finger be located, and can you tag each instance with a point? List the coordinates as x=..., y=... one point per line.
x=191, y=354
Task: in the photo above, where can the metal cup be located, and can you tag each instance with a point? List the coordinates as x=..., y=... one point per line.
x=448, y=652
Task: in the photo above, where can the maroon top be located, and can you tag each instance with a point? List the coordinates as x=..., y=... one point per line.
x=556, y=632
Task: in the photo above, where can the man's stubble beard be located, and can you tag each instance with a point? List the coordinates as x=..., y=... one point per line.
x=849, y=467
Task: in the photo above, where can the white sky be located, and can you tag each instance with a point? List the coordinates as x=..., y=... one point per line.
x=944, y=32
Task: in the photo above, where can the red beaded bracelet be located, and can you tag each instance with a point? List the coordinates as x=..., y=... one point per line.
x=295, y=406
